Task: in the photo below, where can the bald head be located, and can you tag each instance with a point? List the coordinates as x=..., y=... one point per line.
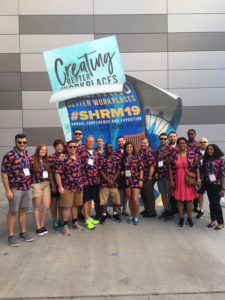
x=203, y=143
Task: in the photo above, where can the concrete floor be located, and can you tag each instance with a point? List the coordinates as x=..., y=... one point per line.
x=154, y=260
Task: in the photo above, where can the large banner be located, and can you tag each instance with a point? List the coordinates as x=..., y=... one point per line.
x=92, y=64
x=92, y=92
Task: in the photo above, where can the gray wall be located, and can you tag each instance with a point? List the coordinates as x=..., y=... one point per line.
x=174, y=44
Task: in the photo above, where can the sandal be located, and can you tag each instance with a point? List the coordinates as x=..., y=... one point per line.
x=218, y=228
x=210, y=225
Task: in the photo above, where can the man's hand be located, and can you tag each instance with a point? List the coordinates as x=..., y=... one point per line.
x=9, y=194
x=61, y=190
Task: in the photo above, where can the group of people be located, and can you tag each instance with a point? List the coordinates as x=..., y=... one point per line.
x=77, y=175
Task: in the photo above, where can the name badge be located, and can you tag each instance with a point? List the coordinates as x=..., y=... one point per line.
x=128, y=173
x=201, y=161
x=212, y=177
x=90, y=161
x=160, y=164
x=26, y=172
x=45, y=174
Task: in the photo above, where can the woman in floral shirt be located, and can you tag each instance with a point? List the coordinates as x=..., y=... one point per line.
x=41, y=176
x=214, y=176
x=55, y=196
x=132, y=168
x=180, y=163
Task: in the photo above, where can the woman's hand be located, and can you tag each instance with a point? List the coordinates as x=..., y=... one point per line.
x=221, y=193
x=173, y=186
x=199, y=184
x=140, y=183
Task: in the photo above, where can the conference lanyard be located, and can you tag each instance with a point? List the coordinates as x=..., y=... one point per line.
x=20, y=160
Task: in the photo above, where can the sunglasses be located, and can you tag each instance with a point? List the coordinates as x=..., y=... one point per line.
x=72, y=147
x=203, y=142
x=163, y=139
x=77, y=133
x=24, y=143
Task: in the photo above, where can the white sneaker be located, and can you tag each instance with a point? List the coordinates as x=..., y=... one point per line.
x=66, y=230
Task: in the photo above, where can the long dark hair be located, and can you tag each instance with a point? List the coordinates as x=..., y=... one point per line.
x=125, y=151
x=217, y=152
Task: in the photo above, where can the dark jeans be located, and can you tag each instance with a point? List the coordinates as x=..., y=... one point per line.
x=216, y=213
x=147, y=196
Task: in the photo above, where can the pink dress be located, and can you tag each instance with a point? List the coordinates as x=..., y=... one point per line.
x=183, y=192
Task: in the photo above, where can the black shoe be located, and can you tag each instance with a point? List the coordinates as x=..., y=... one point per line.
x=190, y=223
x=143, y=212
x=116, y=218
x=108, y=215
x=181, y=222
x=39, y=231
x=44, y=230
x=103, y=219
x=200, y=214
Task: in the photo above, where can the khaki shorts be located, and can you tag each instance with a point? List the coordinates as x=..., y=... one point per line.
x=71, y=198
x=104, y=195
x=41, y=188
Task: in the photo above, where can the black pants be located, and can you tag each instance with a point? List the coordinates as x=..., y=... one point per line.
x=216, y=213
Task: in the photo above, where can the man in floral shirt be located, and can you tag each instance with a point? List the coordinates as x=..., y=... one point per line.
x=17, y=182
x=147, y=193
x=89, y=158
x=109, y=169
x=162, y=157
x=123, y=198
x=68, y=175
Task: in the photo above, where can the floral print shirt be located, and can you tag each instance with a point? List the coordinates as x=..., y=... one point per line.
x=148, y=159
x=70, y=171
x=109, y=166
x=38, y=176
x=162, y=158
x=216, y=167
x=131, y=168
x=89, y=161
x=13, y=165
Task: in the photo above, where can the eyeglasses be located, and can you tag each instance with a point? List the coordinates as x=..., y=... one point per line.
x=77, y=133
x=163, y=139
x=72, y=147
x=203, y=142
x=24, y=143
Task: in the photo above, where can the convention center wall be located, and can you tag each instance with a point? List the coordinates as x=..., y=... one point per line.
x=173, y=44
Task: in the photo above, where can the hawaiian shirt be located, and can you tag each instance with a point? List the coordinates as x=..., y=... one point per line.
x=118, y=153
x=148, y=159
x=162, y=158
x=38, y=176
x=13, y=165
x=133, y=165
x=90, y=166
x=192, y=162
x=216, y=167
x=53, y=161
x=109, y=166
x=70, y=171
x=194, y=147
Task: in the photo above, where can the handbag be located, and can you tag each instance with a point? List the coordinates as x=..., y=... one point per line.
x=190, y=177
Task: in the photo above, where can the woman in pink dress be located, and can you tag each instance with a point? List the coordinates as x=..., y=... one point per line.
x=181, y=162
